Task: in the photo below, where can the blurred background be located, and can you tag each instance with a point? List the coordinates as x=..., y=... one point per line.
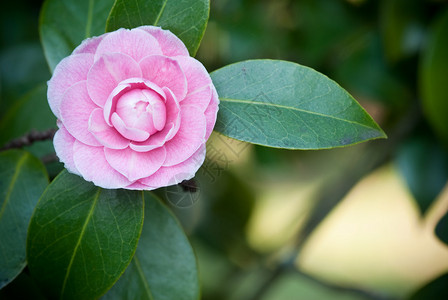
x=348, y=223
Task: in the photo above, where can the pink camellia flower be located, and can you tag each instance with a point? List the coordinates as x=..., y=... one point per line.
x=134, y=109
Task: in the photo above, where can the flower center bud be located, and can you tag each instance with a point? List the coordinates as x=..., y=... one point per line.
x=142, y=109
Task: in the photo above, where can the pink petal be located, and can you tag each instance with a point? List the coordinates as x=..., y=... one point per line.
x=171, y=126
x=211, y=113
x=63, y=144
x=197, y=75
x=107, y=72
x=188, y=139
x=134, y=134
x=166, y=176
x=136, y=43
x=165, y=72
x=104, y=133
x=155, y=141
x=135, y=165
x=89, y=45
x=70, y=70
x=200, y=98
x=93, y=166
x=76, y=108
x=171, y=45
x=138, y=186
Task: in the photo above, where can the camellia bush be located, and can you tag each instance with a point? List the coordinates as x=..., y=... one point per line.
x=89, y=176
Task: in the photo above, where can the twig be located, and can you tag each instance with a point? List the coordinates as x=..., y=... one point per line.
x=189, y=185
x=30, y=138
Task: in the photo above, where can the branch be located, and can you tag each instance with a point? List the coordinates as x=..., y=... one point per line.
x=30, y=138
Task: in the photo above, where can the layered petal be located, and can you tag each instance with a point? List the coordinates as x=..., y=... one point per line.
x=92, y=164
x=188, y=139
x=76, y=108
x=197, y=75
x=89, y=45
x=63, y=145
x=200, y=98
x=107, y=72
x=175, y=174
x=135, y=165
x=211, y=113
x=107, y=135
x=135, y=42
x=171, y=45
x=165, y=72
x=138, y=186
x=133, y=134
x=69, y=71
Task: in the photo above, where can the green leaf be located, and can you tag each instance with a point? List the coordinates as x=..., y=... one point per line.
x=442, y=229
x=22, y=180
x=187, y=19
x=164, y=265
x=81, y=238
x=30, y=69
x=434, y=71
x=436, y=289
x=424, y=166
x=285, y=105
x=65, y=23
x=30, y=112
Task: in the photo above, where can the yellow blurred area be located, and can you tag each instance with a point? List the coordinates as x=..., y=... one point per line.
x=375, y=239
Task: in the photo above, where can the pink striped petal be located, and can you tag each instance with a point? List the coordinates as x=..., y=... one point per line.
x=165, y=72
x=104, y=133
x=171, y=45
x=175, y=174
x=89, y=45
x=172, y=124
x=136, y=43
x=188, y=139
x=69, y=71
x=134, y=134
x=63, y=144
x=211, y=113
x=76, y=108
x=93, y=166
x=135, y=165
x=200, y=98
x=197, y=75
x=107, y=72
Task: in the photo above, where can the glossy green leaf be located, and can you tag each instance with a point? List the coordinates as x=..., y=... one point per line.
x=187, y=19
x=164, y=265
x=433, y=74
x=442, y=229
x=65, y=23
x=28, y=113
x=424, y=166
x=81, y=238
x=29, y=69
x=285, y=105
x=436, y=289
x=22, y=180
